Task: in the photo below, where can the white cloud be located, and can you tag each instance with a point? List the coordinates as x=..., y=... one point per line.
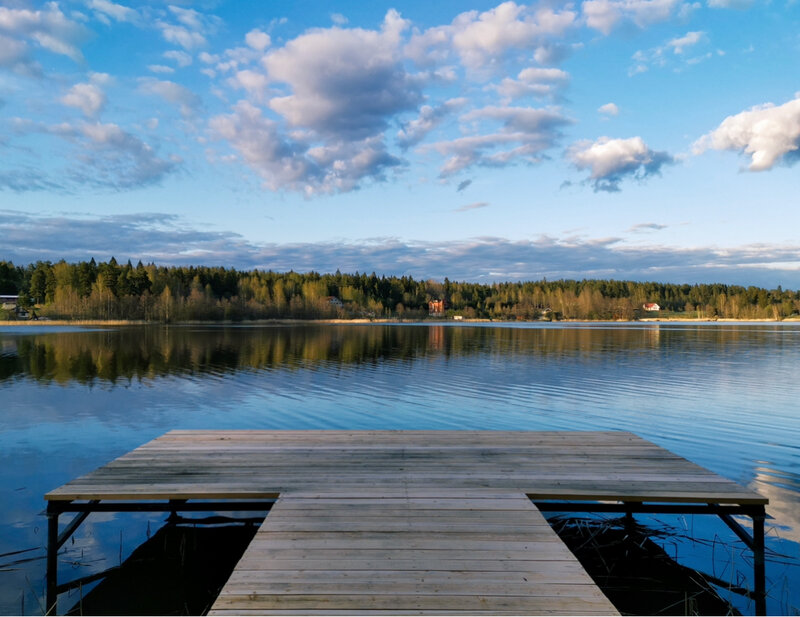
x=661, y=57
x=257, y=39
x=189, y=17
x=180, y=57
x=258, y=141
x=609, y=109
x=524, y=133
x=174, y=93
x=533, y=81
x=414, y=131
x=14, y=55
x=254, y=82
x=689, y=39
x=87, y=97
x=182, y=36
x=160, y=68
x=482, y=39
x=191, y=30
x=49, y=28
x=339, y=19
x=118, y=12
x=551, y=54
x=769, y=134
x=730, y=4
x=343, y=83
x=604, y=15
x=612, y=160
x=283, y=164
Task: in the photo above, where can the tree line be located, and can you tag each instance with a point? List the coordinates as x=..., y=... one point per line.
x=108, y=290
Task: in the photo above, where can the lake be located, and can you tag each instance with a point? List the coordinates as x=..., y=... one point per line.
x=723, y=395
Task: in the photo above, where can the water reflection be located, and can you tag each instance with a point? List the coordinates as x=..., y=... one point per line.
x=724, y=396
x=137, y=353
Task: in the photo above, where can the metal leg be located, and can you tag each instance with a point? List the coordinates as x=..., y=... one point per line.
x=51, y=596
x=759, y=569
x=629, y=522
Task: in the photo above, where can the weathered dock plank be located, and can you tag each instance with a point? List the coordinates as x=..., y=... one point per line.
x=406, y=522
x=349, y=560
x=593, y=465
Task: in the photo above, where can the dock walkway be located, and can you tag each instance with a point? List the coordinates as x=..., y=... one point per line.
x=407, y=521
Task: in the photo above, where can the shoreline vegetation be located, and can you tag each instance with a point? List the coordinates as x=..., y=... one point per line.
x=107, y=293
x=356, y=321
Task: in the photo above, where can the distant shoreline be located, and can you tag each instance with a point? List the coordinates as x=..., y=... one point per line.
x=267, y=322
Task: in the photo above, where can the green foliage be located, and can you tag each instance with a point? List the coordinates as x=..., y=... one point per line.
x=88, y=290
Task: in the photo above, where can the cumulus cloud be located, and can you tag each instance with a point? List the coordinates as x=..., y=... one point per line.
x=331, y=94
x=533, y=81
x=255, y=83
x=767, y=133
x=414, y=131
x=286, y=164
x=481, y=39
x=167, y=239
x=609, y=109
x=174, y=93
x=14, y=55
x=343, y=83
x=612, y=160
x=524, y=133
x=88, y=97
x=48, y=28
x=604, y=15
x=181, y=58
x=257, y=39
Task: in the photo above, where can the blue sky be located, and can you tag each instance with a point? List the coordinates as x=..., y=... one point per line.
x=628, y=139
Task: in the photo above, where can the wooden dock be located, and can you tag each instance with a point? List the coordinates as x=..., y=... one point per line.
x=406, y=521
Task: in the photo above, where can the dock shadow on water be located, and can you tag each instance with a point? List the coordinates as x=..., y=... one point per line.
x=634, y=572
x=180, y=570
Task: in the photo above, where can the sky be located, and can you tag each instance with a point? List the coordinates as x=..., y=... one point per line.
x=628, y=139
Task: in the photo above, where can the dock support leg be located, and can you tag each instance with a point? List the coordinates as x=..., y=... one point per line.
x=759, y=569
x=629, y=522
x=51, y=595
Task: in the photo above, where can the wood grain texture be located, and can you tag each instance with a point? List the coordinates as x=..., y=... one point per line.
x=596, y=465
x=406, y=522
x=420, y=556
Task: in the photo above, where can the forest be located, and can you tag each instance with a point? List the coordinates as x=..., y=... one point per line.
x=88, y=290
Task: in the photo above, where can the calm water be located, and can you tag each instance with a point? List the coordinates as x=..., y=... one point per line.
x=724, y=396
